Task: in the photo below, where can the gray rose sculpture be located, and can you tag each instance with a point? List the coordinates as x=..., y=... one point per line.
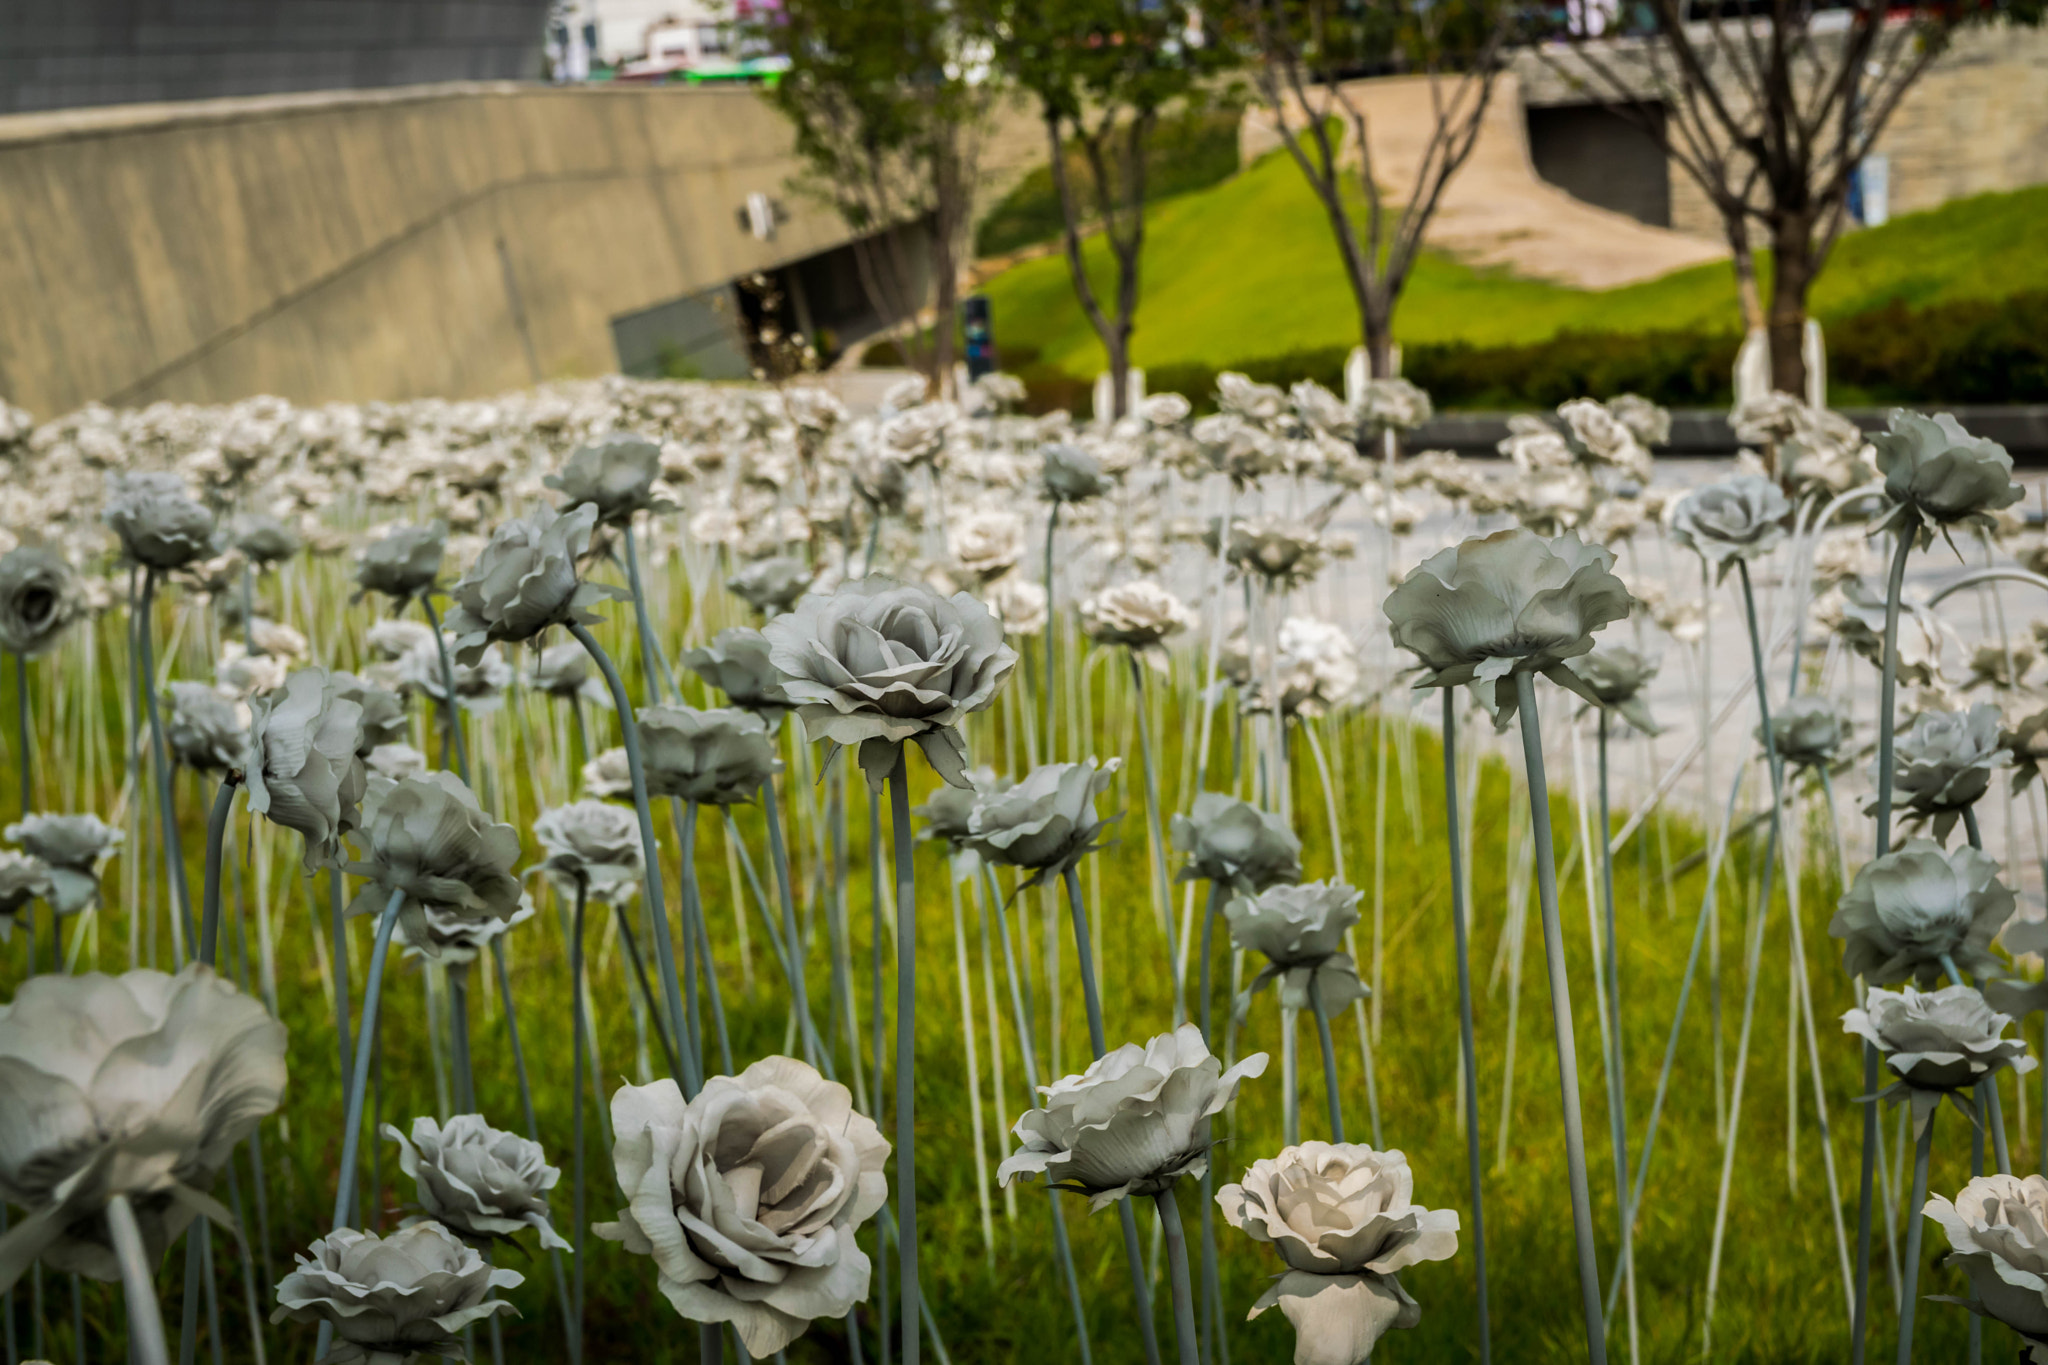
x=404, y=562
x=137, y=1085
x=25, y=879
x=1942, y=764
x=1504, y=604
x=748, y=1197
x=879, y=662
x=1939, y=475
x=949, y=812
x=1235, y=843
x=719, y=757
x=1997, y=1232
x=1071, y=474
x=428, y=837
x=205, y=731
x=1735, y=519
x=39, y=597
x=563, y=672
x=525, y=581
x=393, y=1300
x=159, y=524
x=1046, y=823
x=1906, y=910
x=477, y=1181
x=592, y=844
x=1132, y=1123
x=1140, y=615
x=1343, y=1219
x=1616, y=676
x=1299, y=930
x=383, y=719
x=771, y=586
x=736, y=662
x=1809, y=729
x=72, y=847
x=305, y=769
x=1937, y=1043
x=616, y=474
x=265, y=539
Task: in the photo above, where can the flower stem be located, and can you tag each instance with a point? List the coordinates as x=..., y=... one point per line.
x=906, y=1058
x=1909, y=1300
x=338, y=928
x=1466, y=1051
x=451, y=713
x=1315, y=1006
x=167, y=810
x=1084, y=953
x=580, y=1008
x=1162, y=897
x=1617, y=1093
x=1051, y=681
x=1887, y=693
x=1021, y=1012
x=366, y=1033
x=145, y=1317
x=659, y=684
x=1177, y=1262
x=216, y=834
x=571, y=1318
x=793, y=947
x=650, y=851
x=458, y=1031
x=22, y=755
x=654, y=1011
x=1561, y=1020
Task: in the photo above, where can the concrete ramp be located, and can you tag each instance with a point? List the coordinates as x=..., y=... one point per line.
x=1497, y=211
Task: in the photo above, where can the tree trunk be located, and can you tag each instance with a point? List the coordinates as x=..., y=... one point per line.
x=946, y=219
x=1379, y=338
x=1791, y=277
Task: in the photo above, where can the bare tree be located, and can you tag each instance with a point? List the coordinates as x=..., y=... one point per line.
x=888, y=101
x=1306, y=52
x=1103, y=72
x=1770, y=107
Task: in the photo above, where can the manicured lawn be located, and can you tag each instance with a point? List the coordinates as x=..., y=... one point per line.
x=1247, y=269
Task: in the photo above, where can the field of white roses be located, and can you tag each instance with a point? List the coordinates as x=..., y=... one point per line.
x=645, y=871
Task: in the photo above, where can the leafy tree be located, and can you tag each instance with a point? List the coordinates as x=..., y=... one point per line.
x=1103, y=73
x=1770, y=107
x=888, y=99
x=1306, y=54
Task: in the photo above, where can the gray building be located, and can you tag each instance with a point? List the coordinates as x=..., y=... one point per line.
x=62, y=54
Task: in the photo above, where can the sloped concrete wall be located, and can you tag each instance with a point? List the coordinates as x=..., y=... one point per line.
x=456, y=240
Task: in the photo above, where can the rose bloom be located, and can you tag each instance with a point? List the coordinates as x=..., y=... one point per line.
x=1342, y=1218
x=1997, y=1231
x=1235, y=843
x=879, y=662
x=1735, y=519
x=1140, y=615
x=1045, y=823
x=478, y=1180
x=1133, y=1122
x=1907, y=909
x=392, y=1300
x=1937, y=1043
x=748, y=1197
x=1504, y=604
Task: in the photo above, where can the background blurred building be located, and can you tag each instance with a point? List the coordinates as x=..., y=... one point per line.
x=61, y=54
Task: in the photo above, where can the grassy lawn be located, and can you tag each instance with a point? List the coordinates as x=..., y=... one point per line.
x=1247, y=269
x=1779, y=1297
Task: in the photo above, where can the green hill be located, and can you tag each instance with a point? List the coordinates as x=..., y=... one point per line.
x=1246, y=270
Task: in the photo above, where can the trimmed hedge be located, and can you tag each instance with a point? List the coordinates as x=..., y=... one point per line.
x=1990, y=351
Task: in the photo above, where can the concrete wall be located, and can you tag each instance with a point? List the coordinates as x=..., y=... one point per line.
x=454, y=240
x=1977, y=121
x=64, y=54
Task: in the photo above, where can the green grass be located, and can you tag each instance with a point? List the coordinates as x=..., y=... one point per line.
x=1248, y=270
x=1779, y=1300
x=1189, y=151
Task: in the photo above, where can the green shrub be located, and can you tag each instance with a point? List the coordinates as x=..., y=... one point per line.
x=1190, y=151
x=1970, y=351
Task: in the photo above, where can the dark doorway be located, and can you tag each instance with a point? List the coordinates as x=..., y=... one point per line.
x=1605, y=157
